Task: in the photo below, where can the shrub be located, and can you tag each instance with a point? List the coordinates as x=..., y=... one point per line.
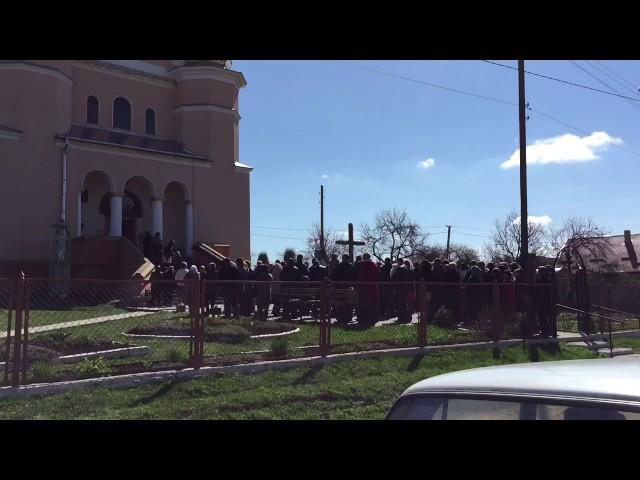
x=279, y=347
x=444, y=318
x=95, y=367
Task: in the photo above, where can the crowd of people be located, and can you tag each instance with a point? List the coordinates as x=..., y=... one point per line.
x=247, y=291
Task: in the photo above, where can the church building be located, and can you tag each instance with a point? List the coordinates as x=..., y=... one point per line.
x=111, y=149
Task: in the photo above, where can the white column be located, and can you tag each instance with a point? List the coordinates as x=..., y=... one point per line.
x=79, y=214
x=188, y=216
x=116, y=215
x=156, y=222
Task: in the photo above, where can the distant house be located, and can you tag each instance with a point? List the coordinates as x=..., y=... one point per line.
x=618, y=255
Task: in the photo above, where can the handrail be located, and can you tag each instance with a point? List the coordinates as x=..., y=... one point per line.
x=616, y=311
x=589, y=313
x=609, y=319
x=619, y=311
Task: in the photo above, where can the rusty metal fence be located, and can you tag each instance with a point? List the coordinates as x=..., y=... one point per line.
x=61, y=330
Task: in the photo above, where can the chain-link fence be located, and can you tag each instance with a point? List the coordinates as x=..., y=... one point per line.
x=86, y=328
x=6, y=318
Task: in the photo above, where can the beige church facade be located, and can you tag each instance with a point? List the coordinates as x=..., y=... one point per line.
x=116, y=148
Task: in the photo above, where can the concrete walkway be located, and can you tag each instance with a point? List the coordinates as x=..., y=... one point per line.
x=79, y=323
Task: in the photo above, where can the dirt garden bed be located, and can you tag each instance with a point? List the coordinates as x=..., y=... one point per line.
x=216, y=330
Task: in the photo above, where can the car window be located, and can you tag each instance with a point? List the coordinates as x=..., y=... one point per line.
x=424, y=407
x=563, y=412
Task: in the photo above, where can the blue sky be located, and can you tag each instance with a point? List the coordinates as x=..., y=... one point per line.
x=368, y=138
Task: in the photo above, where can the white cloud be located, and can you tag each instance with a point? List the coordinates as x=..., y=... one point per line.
x=541, y=220
x=324, y=175
x=567, y=148
x=428, y=163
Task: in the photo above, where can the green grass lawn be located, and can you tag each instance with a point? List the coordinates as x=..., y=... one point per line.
x=357, y=389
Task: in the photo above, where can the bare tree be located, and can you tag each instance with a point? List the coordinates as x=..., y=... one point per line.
x=393, y=234
x=576, y=237
x=457, y=252
x=504, y=241
x=330, y=245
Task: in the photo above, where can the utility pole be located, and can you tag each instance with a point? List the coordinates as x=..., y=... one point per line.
x=448, y=238
x=323, y=256
x=524, y=216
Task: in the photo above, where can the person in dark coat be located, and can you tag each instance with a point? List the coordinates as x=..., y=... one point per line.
x=386, y=291
x=156, y=286
x=263, y=290
x=452, y=292
x=156, y=249
x=368, y=295
x=230, y=291
x=300, y=265
x=401, y=274
x=169, y=286
x=146, y=244
x=317, y=272
x=290, y=273
x=211, y=277
x=169, y=251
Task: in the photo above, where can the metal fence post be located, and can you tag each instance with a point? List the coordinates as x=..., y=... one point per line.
x=17, y=338
x=197, y=322
x=324, y=344
x=25, y=322
x=496, y=313
x=8, y=337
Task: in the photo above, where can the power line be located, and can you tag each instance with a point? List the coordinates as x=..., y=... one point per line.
x=601, y=70
x=277, y=236
x=472, y=234
x=422, y=82
x=557, y=120
x=565, y=81
x=602, y=82
x=280, y=228
x=581, y=130
x=616, y=74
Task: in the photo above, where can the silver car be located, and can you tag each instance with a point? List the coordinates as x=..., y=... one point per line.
x=606, y=389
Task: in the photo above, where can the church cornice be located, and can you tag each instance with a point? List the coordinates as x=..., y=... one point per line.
x=208, y=72
x=128, y=72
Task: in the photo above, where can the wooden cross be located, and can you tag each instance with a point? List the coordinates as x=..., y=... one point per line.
x=351, y=242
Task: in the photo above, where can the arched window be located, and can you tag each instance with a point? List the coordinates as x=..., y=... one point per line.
x=150, y=122
x=121, y=114
x=92, y=110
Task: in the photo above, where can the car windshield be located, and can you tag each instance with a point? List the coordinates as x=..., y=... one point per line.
x=424, y=407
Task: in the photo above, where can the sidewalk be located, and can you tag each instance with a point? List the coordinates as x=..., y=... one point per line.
x=79, y=323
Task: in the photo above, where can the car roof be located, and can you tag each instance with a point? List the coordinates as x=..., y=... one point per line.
x=615, y=379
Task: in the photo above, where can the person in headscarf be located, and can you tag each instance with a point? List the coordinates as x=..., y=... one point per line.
x=192, y=275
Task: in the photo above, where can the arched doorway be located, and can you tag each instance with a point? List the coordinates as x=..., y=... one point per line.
x=135, y=223
x=174, y=213
x=92, y=220
x=132, y=212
